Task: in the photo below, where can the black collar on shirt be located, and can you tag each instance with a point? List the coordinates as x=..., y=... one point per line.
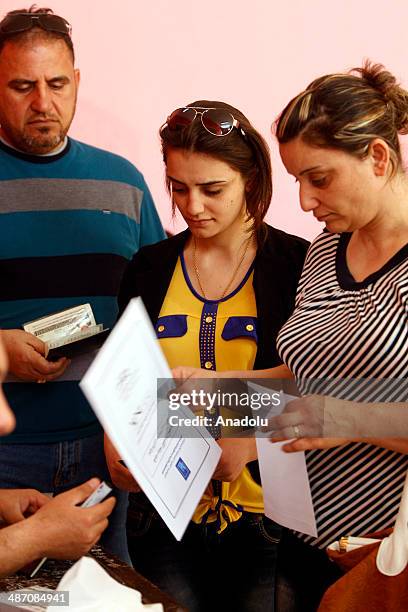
x=35, y=159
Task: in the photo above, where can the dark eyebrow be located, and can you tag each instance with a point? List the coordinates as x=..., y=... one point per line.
x=198, y=184
x=212, y=183
x=309, y=170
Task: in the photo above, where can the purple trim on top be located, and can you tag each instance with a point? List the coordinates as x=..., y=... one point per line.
x=200, y=297
x=236, y=327
x=207, y=354
x=174, y=326
x=207, y=335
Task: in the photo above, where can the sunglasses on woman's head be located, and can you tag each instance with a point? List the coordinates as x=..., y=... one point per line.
x=217, y=121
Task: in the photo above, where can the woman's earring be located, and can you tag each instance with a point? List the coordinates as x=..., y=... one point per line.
x=173, y=203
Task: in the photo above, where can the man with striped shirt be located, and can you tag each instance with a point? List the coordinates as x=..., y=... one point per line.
x=71, y=217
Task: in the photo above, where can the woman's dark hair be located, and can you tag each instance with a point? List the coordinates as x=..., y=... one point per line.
x=348, y=111
x=243, y=149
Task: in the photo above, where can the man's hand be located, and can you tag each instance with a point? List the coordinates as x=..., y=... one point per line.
x=66, y=531
x=26, y=354
x=59, y=529
x=236, y=453
x=121, y=477
x=17, y=504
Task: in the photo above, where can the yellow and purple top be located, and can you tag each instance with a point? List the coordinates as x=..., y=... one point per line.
x=215, y=335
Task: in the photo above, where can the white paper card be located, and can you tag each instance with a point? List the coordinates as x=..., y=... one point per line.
x=121, y=386
x=285, y=481
x=62, y=325
x=65, y=327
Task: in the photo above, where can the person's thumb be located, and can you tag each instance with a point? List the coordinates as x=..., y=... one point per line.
x=82, y=492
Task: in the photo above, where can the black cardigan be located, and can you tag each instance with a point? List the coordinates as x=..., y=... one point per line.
x=278, y=265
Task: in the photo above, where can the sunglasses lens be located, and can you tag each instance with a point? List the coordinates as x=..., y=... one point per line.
x=15, y=23
x=218, y=121
x=54, y=23
x=181, y=118
x=20, y=23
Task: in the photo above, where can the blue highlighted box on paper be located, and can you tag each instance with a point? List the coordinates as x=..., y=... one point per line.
x=183, y=469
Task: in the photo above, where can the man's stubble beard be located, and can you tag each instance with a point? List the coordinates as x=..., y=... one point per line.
x=39, y=144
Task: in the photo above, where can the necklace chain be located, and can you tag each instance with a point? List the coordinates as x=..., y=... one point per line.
x=197, y=274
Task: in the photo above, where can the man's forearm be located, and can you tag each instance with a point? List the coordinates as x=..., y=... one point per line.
x=19, y=544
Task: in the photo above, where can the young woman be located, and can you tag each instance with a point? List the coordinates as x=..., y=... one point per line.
x=217, y=293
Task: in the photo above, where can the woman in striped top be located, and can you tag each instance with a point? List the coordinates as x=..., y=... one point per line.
x=339, y=139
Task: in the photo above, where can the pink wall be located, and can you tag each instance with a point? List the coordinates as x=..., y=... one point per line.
x=140, y=60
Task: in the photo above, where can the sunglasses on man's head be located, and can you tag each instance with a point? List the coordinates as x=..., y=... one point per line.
x=217, y=121
x=21, y=22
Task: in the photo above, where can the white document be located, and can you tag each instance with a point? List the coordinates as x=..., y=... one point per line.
x=121, y=386
x=285, y=482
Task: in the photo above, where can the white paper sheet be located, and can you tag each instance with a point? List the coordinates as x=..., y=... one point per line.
x=392, y=556
x=121, y=386
x=285, y=481
x=286, y=488
x=91, y=589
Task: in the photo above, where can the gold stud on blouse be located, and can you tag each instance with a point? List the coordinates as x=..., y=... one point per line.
x=249, y=327
x=208, y=365
x=208, y=319
x=161, y=328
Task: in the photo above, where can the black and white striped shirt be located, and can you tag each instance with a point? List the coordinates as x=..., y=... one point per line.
x=344, y=329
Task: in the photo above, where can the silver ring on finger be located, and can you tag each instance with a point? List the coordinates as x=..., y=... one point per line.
x=296, y=429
